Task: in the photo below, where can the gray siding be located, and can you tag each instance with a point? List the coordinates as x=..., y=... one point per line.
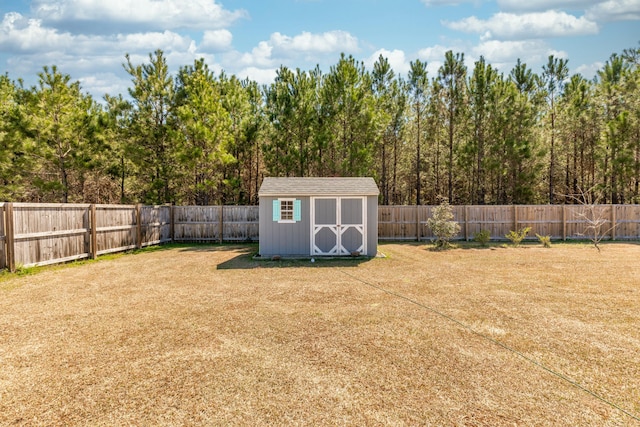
x=372, y=225
x=284, y=239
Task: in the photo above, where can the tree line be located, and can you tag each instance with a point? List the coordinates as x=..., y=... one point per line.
x=472, y=136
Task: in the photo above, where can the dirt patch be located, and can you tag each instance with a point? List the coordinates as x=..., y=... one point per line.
x=207, y=335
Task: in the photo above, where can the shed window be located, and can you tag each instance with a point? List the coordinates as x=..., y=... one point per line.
x=286, y=210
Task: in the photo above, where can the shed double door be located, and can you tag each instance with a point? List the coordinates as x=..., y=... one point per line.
x=338, y=225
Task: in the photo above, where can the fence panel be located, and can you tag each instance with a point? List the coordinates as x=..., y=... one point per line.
x=545, y=220
x=50, y=233
x=627, y=222
x=3, y=237
x=240, y=223
x=202, y=223
x=425, y=212
x=397, y=223
x=155, y=225
x=498, y=220
x=579, y=218
x=115, y=228
x=196, y=223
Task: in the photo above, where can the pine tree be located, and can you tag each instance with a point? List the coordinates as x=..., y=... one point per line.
x=553, y=75
x=58, y=126
x=203, y=130
x=452, y=76
x=151, y=148
x=418, y=87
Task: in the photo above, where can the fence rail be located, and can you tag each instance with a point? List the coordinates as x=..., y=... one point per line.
x=39, y=234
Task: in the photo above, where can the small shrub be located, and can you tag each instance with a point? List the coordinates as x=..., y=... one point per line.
x=442, y=225
x=545, y=240
x=21, y=270
x=483, y=237
x=518, y=236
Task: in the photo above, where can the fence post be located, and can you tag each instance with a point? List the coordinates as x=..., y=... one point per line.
x=9, y=231
x=171, y=230
x=613, y=222
x=221, y=231
x=515, y=218
x=417, y=222
x=93, y=226
x=466, y=223
x=138, y=226
x=564, y=223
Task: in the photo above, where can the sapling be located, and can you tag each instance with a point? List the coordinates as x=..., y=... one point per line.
x=545, y=240
x=518, y=236
x=483, y=237
x=592, y=214
x=442, y=225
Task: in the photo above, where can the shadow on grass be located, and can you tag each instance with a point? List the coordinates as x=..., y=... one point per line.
x=247, y=260
x=215, y=247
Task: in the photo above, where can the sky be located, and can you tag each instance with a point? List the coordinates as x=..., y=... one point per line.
x=88, y=39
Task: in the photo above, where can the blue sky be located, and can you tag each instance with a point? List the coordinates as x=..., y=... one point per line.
x=88, y=39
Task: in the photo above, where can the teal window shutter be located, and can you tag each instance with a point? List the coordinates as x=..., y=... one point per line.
x=276, y=210
x=297, y=214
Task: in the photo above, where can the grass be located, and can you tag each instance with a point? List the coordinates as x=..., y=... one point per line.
x=206, y=335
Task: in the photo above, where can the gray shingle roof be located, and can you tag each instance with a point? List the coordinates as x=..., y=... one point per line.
x=318, y=187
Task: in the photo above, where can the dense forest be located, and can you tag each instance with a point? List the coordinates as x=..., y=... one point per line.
x=473, y=136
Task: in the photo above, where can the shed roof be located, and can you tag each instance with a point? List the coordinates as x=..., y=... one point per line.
x=318, y=187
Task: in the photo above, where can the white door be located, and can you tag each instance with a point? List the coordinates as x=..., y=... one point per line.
x=338, y=226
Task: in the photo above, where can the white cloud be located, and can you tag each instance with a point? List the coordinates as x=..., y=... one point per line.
x=502, y=55
x=282, y=49
x=216, y=40
x=435, y=53
x=261, y=76
x=541, y=5
x=397, y=59
x=615, y=10
x=495, y=51
x=91, y=59
x=594, y=10
x=526, y=26
x=105, y=83
x=434, y=56
x=29, y=36
x=308, y=43
x=589, y=71
x=149, y=42
x=259, y=56
x=162, y=14
x=19, y=34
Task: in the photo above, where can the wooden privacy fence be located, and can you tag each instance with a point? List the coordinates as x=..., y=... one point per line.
x=204, y=224
x=43, y=233
x=561, y=222
x=39, y=234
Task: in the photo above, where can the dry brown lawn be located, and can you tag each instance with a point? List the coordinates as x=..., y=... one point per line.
x=207, y=336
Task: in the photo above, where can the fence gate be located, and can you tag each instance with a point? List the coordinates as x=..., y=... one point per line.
x=338, y=225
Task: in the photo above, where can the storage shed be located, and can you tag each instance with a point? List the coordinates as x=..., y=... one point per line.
x=318, y=216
